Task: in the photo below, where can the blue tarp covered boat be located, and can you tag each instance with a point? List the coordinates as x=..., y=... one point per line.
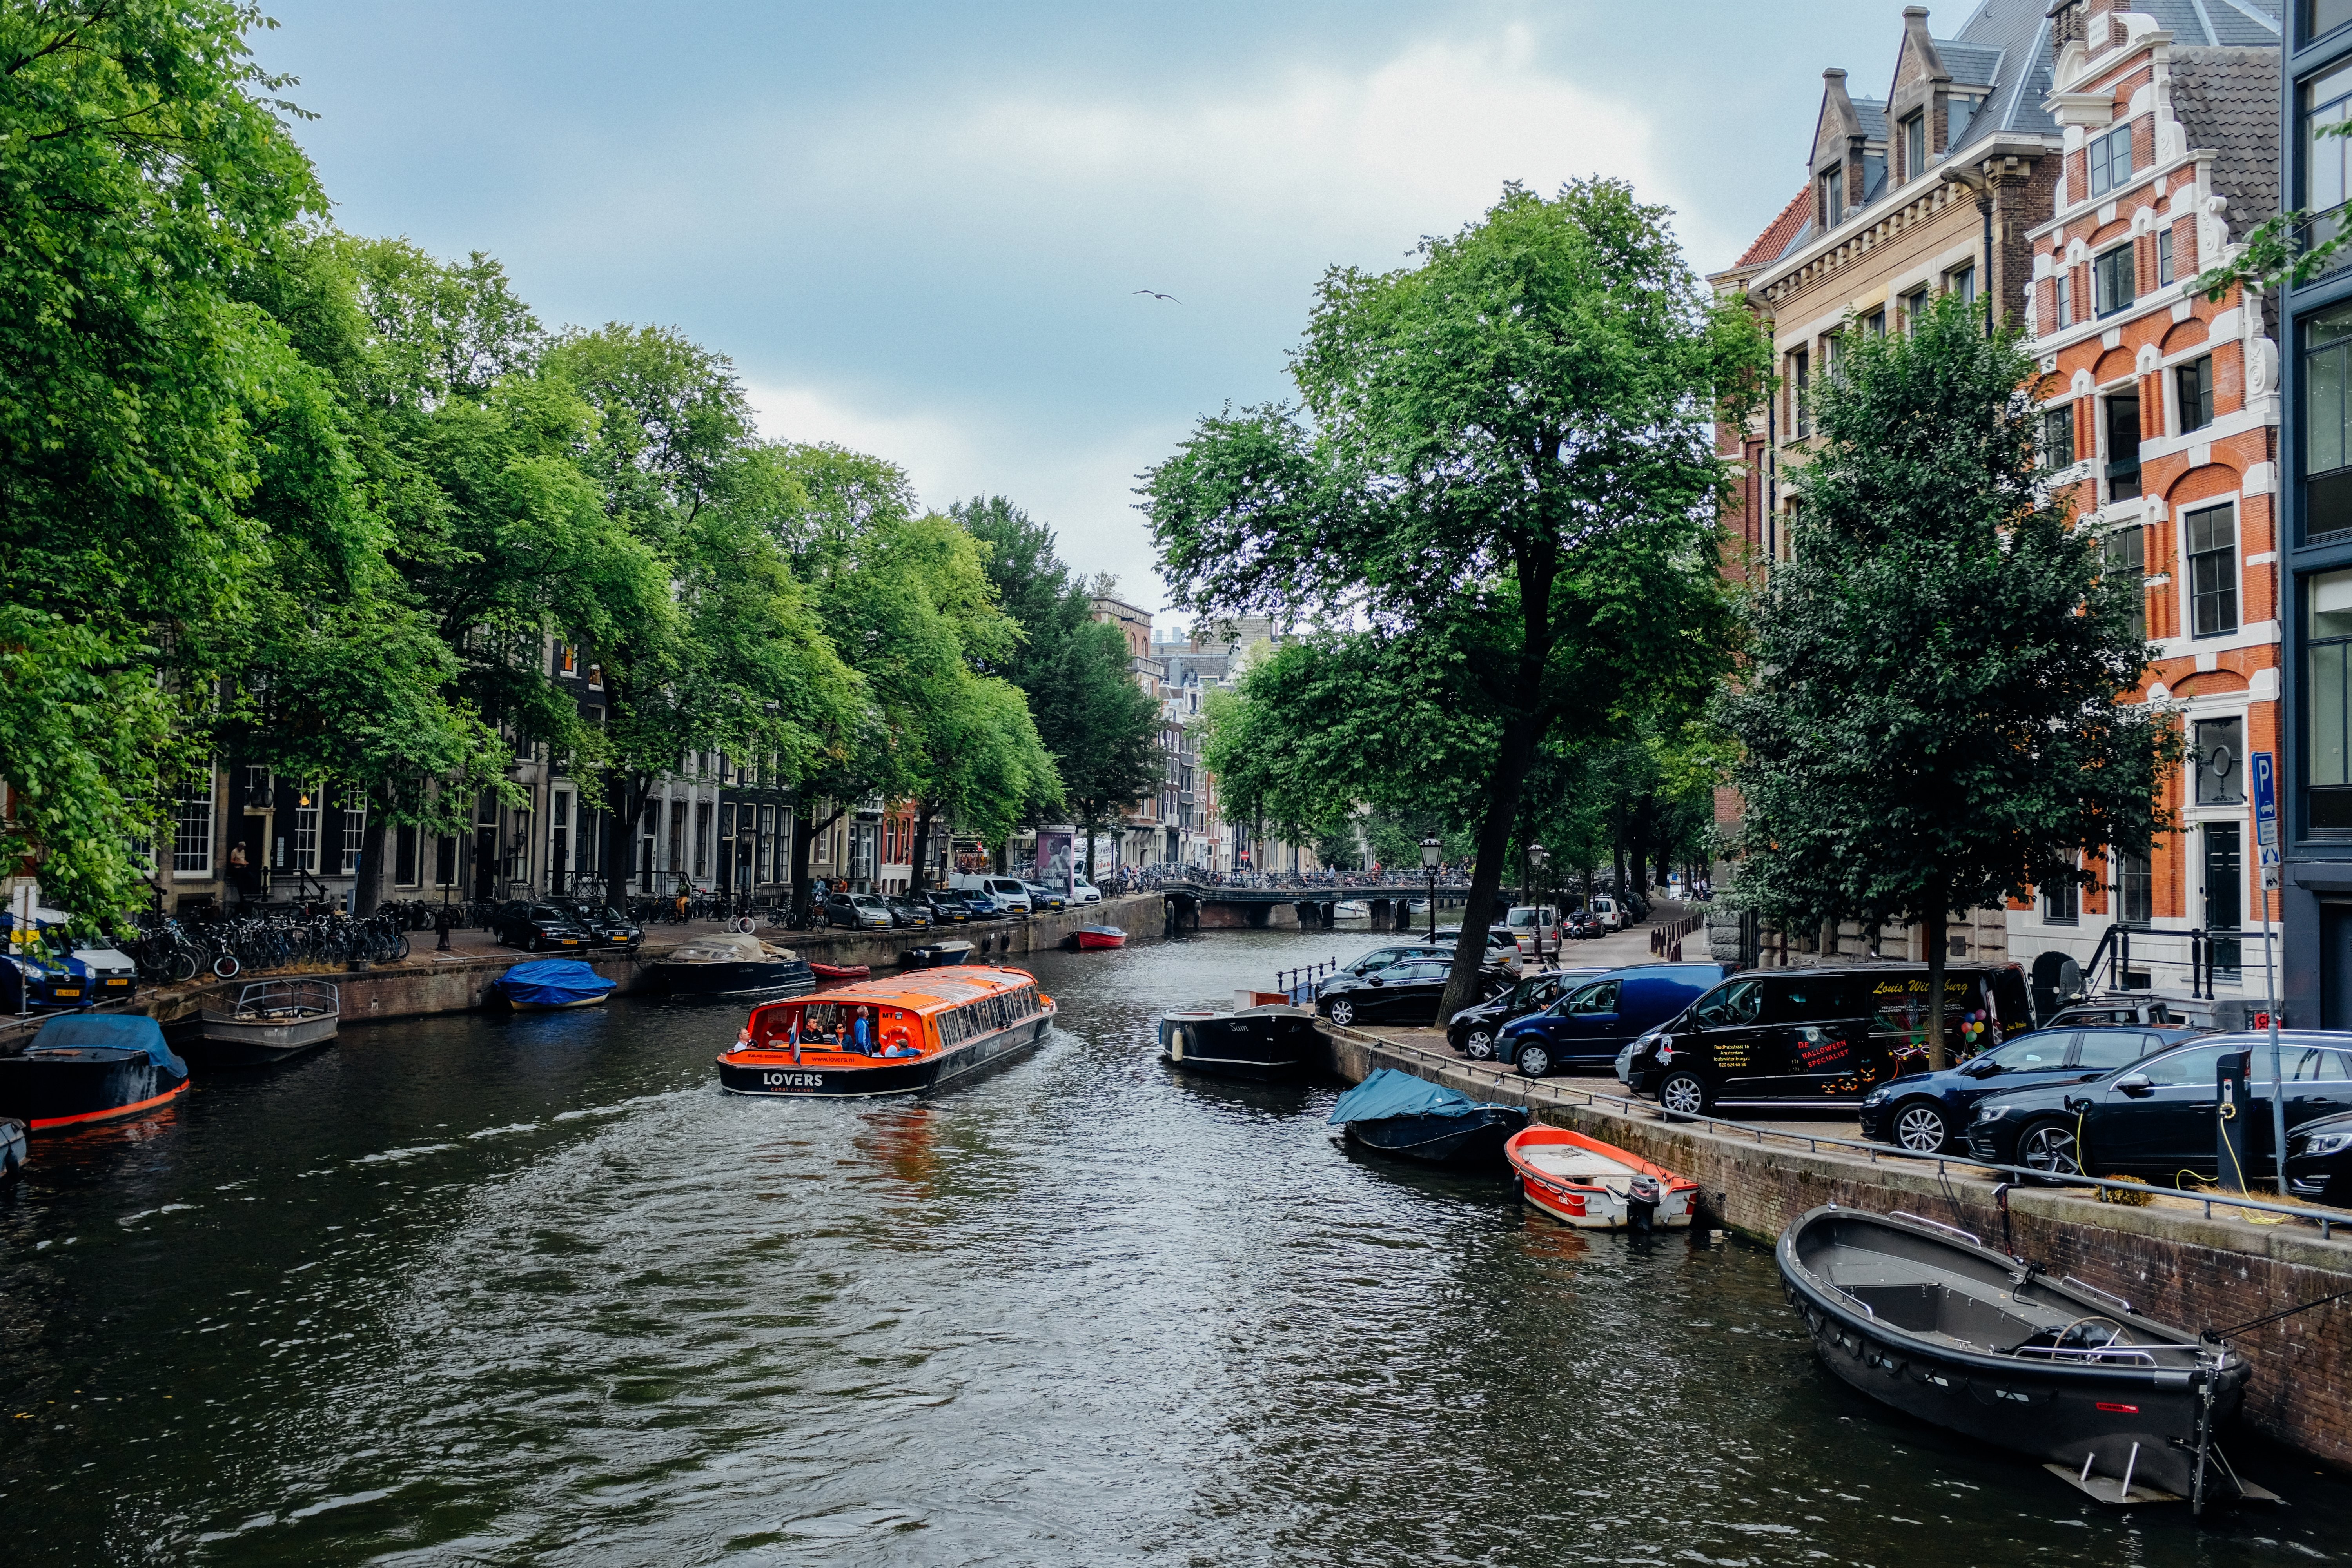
x=87, y=1067
x=1398, y=1113
x=552, y=984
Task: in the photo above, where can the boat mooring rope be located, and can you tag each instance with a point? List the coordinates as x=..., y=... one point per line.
x=2259, y=1322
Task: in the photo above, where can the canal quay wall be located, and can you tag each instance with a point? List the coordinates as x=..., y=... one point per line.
x=2168, y=1259
x=427, y=983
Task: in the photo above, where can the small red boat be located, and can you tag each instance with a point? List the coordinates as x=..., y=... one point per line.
x=1091, y=937
x=1583, y=1182
x=840, y=971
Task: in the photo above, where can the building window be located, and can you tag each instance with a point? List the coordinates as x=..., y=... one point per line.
x=2123, y=446
x=2213, y=571
x=2135, y=889
x=2164, y=258
x=2113, y=279
x=2327, y=421
x=2126, y=552
x=1832, y=184
x=2220, y=762
x=2326, y=159
x=306, y=832
x=2066, y=299
x=2058, y=436
x=2194, y=382
x=1875, y=323
x=2062, y=903
x=2328, y=658
x=354, y=837
x=192, y=828
x=1962, y=281
x=1801, y=418
x=1915, y=142
x=406, y=858
x=2111, y=159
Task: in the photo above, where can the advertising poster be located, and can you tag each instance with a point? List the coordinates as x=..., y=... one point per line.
x=1054, y=860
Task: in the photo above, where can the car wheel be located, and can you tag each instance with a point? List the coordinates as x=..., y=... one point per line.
x=1922, y=1128
x=1343, y=1012
x=1478, y=1045
x=1684, y=1094
x=1534, y=1060
x=2050, y=1146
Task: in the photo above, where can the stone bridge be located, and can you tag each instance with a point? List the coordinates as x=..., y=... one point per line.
x=1202, y=906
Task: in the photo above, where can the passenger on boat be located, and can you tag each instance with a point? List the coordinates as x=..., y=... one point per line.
x=900, y=1045
x=861, y=1035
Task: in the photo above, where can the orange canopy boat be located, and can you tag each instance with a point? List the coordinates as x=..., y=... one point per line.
x=1598, y=1186
x=906, y=1034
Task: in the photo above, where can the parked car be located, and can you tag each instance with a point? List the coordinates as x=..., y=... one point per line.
x=1605, y=913
x=859, y=911
x=1929, y=1113
x=2319, y=1161
x=907, y=914
x=1407, y=992
x=1380, y=958
x=1044, y=898
x=1582, y=925
x=606, y=926
x=1084, y=893
x=1473, y=1030
x=1009, y=894
x=539, y=927
x=1596, y=1018
x=2145, y=1010
x=2154, y=1118
x=946, y=909
x=1817, y=1037
x=1502, y=947
x=1534, y=926
x=984, y=906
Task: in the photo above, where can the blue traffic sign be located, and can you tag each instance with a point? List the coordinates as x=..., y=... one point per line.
x=2265, y=799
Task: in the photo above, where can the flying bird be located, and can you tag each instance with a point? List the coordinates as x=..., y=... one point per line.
x=1158, y=295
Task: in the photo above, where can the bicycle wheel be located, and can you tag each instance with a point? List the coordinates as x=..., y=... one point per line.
x=180, y=963
x=226, y=967
x=399, y=948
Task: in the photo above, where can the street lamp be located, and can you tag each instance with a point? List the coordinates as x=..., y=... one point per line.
x=1431, y=848
x=1537, y=856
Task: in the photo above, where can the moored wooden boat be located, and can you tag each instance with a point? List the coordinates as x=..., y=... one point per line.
x=269, y=1021
x=733, y=964
x=907, y=1035
x=90, y=1068
x=1580, y=1181
x=1398, y=1113
x=939, y=956
x=1094, y=938
x=1262, y=1043
x=1924, y=1318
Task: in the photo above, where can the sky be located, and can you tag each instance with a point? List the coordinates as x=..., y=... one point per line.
x=919, y=231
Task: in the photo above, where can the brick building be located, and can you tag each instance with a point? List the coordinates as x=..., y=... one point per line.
x=2163, y=409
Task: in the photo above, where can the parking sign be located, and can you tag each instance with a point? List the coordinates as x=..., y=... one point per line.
x=2266, y=837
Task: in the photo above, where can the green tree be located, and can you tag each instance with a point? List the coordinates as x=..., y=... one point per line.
x=143, y=159
x=1933, y=718
x=1504, y=476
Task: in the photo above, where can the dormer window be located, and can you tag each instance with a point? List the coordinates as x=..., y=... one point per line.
x=1832, y=183
x=1915, y=144
x=2111, y=159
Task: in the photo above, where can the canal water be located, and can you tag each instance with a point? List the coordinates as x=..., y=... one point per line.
x=533, y=1292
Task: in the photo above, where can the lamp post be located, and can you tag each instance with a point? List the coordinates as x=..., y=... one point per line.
x=1431, y=848
x=1537, y=856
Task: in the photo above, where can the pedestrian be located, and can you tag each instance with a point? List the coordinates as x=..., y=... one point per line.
x=237, y=867
x=441, y=927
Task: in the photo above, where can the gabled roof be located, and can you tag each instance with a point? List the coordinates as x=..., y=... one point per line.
x=2244, y=24
x=2228, y=102
x=2017, y=32
x=1972, y=65
x=1782, y=232
x=1869, y=114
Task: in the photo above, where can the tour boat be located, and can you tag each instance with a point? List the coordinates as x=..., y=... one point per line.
x=1262, y=1042
x=551, y=986
x=90, y=1066
x=1580, y=1181
x=923, y=1031
x=270, y=1021
x=1925, y=1318
x=1090, y=937
x=1398, y=1113
x=733, y=964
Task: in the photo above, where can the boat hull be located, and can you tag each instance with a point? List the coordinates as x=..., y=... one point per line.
x=774, y=1075
x=780, y=977
x=1096, y=940
x=1476, y=1139
x=1596, y=1201
x=938, y=955
x=56, y=1090
x=219, y=1039
x=2073, y=1413
x=1253, y=1047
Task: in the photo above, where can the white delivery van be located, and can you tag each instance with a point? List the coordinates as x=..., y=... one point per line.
x=1009, y=892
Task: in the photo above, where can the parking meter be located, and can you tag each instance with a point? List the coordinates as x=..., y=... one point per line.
x=2235, y=1108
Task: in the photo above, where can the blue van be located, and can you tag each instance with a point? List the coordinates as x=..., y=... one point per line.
x=1592, y=1022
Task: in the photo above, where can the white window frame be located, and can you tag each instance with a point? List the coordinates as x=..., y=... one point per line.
x=191, y=832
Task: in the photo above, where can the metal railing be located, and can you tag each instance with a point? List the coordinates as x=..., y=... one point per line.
x=2327, y=1220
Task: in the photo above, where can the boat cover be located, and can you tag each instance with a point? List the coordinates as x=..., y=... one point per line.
x=730, y=947
x=551, y=982
x=1390, y=1092
x=112, y=1032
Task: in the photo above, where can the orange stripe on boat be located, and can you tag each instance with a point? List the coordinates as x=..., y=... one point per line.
x=180, y=1088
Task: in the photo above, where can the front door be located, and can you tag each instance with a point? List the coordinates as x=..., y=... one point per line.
x=2336, y=966
x=2224, y=893
x=2166, y=1128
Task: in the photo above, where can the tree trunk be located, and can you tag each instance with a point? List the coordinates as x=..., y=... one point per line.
x=804, y=834
x=1516, y=756
x=367, y=887
x=1939, y=1058
x=922, y=844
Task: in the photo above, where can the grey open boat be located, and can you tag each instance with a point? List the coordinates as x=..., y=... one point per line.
x=271, y=1020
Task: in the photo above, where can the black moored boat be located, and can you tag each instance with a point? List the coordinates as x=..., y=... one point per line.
x=731, y=963
x=1271, y=1041
x=1398, y=1113
x=91, y=1066
x=1928, y=1320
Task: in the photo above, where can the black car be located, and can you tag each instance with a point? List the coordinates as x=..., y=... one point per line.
x=606, y=926
x=859, y=911
x=540, y=927
x=1407, y=992
x=1929, y=1113
x=1473, y=1030
x=2319, y=1161
x=1380, y=958
x=2155, y=1118
x=1815, y=1037
x=945, y=909
x=907, y=914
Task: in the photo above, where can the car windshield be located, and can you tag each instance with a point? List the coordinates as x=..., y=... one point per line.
x=865, y=900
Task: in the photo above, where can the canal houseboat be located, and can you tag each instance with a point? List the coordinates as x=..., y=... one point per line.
x=1580, y=1181
x=271, y=1020
x=1258, y=1044
x=1924, y=1317
x=90, y=1066
x=909, y=1034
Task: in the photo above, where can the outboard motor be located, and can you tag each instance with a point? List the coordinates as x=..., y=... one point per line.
x=1641, y=1202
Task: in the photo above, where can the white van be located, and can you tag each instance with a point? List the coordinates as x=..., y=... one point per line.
x=1009, y=892
x=1604, y=910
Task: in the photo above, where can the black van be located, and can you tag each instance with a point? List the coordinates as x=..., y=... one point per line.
x=1821, y=1037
